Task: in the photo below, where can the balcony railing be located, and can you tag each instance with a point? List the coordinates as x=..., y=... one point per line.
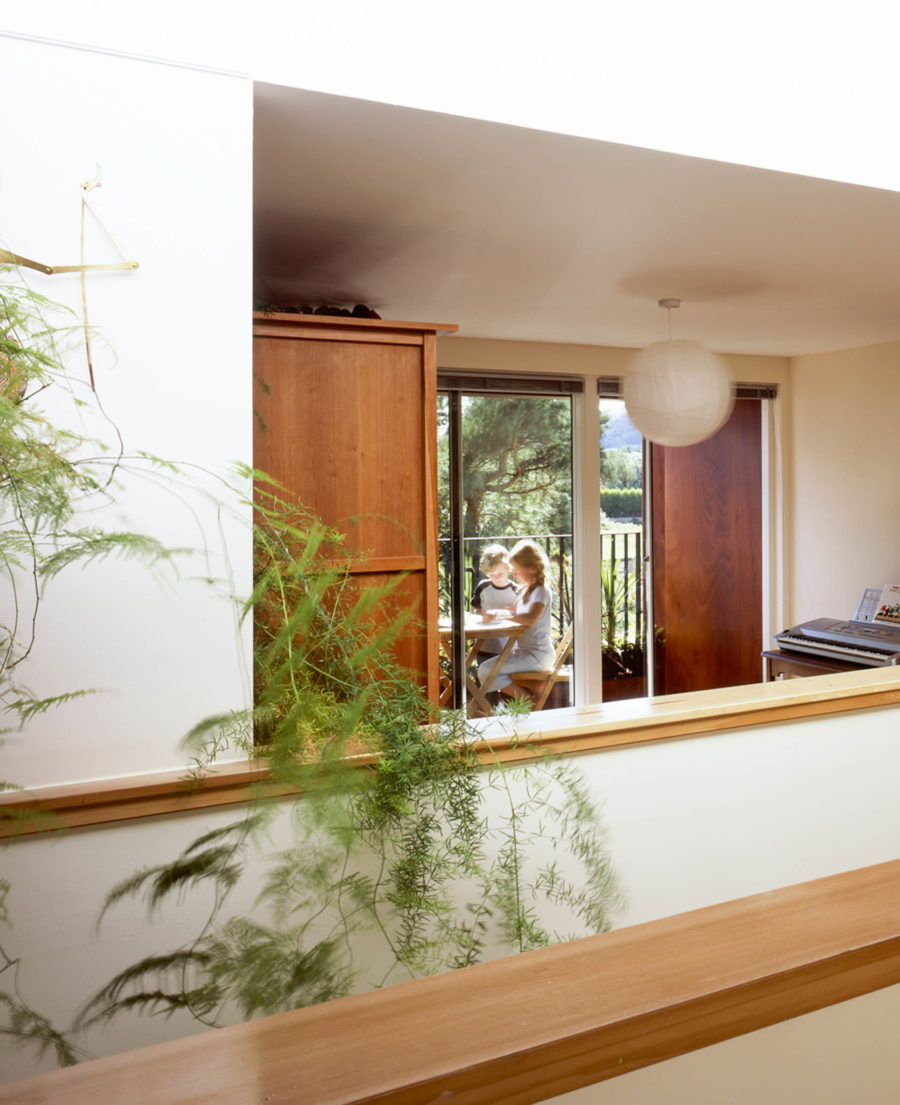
x=624, y=555
x=622, y=552
x=558, y=547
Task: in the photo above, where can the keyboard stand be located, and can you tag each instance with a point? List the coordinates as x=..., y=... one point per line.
x=781, y=664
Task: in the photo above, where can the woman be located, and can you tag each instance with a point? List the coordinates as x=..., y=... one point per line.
x=533, y=651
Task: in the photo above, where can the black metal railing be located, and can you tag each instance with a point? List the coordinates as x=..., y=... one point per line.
x=558, y=547
x=622, y=559
x=623, y=566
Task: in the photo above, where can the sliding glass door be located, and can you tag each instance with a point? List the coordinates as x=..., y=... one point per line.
x=504, y=474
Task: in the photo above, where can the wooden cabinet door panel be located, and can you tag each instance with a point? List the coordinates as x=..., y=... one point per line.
x=341, y=426
x=345, y=420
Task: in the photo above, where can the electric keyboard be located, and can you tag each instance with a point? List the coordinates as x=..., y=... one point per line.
x=863, y=643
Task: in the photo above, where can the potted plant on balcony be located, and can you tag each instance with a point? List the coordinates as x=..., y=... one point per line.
x=623, y=657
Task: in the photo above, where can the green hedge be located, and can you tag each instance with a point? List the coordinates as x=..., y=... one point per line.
x=621, y=502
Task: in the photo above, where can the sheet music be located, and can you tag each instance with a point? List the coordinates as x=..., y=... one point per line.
x=868, y=604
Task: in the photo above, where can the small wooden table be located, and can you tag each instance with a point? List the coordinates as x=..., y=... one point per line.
x=782, y=664
x=476, y=632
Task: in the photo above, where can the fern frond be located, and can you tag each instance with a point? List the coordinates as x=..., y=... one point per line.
x=25, y=1026
x=27, y=707
x=266, y=971
x=217, y=865
x=128, y=989
x=242, y=829
x=87, y=546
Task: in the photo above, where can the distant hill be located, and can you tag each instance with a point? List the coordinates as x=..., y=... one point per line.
x=620, y=433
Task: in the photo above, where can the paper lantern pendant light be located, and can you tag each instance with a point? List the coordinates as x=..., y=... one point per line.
x=677, y=392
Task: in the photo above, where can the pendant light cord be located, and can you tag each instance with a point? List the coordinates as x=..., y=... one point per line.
x=669, y=304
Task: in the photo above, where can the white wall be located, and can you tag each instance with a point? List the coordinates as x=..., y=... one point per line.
x=691, y=822
x=172, y=364
x=707, y=79
x=847, y=488
x=790, y=803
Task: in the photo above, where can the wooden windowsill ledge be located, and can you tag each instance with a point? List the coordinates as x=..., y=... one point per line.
x=563, y=732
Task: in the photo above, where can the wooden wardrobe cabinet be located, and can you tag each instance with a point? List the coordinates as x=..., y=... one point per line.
x=345, y=418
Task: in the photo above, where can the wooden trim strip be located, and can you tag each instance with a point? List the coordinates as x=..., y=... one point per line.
x=562, y=732
x=343, y=321
x=337, y=327
x=388, y=564
x=529, y=1027
x=429, y=453
x=299, y=331
x=76, y=805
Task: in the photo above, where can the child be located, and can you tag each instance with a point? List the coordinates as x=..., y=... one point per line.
x=533, y=651
x=496, y=592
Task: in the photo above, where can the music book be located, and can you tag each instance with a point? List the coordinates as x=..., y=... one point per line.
x=888, y=609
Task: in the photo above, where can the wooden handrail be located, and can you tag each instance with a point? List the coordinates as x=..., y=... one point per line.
x=560, y=732
x=532, y=1026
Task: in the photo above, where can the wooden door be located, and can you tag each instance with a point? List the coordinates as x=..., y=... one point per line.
x=707, y=557
x=345, y=419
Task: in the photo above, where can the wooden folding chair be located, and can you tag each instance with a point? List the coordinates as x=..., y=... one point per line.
x=540, y=683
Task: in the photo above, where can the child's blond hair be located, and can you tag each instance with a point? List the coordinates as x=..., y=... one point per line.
x=532, y=558
x=492, y=557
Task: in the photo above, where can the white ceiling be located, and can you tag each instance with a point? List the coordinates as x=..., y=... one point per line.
x=523, y=234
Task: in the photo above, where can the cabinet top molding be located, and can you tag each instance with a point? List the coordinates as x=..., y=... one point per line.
x=280, y=318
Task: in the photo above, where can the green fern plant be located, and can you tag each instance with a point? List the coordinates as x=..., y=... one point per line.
x=616, y=589
x=415, y=847
x=50, y=477
x=403, y=850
